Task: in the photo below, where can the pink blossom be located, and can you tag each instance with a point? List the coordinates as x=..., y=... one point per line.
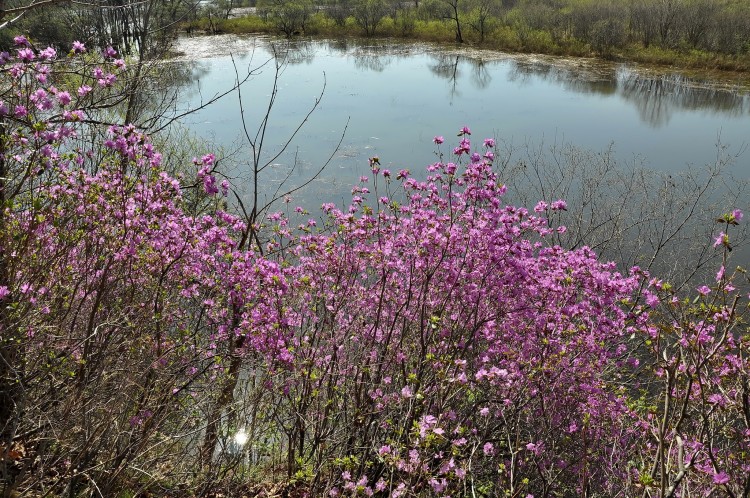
x=721, y=239
x=560, y=205
x=720, y=274
x=651, y=299
x=721, y=478
x=63, y=98
x=26, y=55
x=541, y=207
x=48, y=53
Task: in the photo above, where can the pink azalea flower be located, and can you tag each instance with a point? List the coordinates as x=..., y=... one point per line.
x=721, y=239
x=63, y=98
x=48, y=53
x=721, y=478
x=559, y=205
x=26, y=55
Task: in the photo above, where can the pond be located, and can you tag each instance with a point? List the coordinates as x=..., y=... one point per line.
x=392, y=98
x=395, y=97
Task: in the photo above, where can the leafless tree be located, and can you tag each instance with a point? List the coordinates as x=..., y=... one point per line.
x=223, y=409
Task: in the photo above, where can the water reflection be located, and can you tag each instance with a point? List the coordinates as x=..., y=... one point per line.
x=480, y=75
x=575, y=79
x=392, y=99
x=398, y=95
x=369, y=61
x=656, y=98
x=449, y=67
x=446, y=67
x=295, y=51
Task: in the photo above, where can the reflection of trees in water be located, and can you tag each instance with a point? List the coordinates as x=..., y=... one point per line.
x=367, y=54
x=448, y=67
x=581, y=80
x=445, y=66
x=180, y=76
x=294, y=51
x=480, y=76
x=657, y=98
x=372, y=55
x=375, y=55
x=339, y=46
x=371, y=61
x=155, y=94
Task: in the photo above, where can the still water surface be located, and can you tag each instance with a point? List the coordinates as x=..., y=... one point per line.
x=395, y=97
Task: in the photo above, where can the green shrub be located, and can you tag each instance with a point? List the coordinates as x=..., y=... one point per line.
x=504, y=37
x=405, y=22
x=387, y=27
x=433, y=31
x=247, y=24
x=534, y=40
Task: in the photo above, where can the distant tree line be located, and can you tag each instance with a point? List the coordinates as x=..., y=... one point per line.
x=721, y=26
x=145, y=27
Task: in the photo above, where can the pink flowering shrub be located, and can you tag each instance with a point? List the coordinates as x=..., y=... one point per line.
x=426, y=340
x=444, y=346
x=692, y=386
x=114, y=299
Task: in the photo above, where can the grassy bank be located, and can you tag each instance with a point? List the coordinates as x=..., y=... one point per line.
x=500, y=37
